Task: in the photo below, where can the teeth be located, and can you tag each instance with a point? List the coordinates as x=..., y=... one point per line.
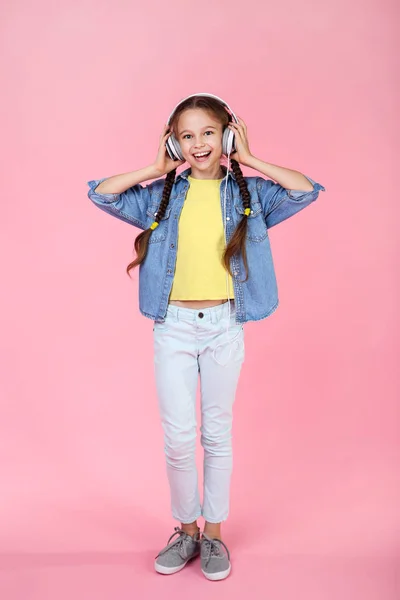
x=201, y=154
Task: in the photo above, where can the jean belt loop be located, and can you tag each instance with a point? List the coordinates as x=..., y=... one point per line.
x=218, y=313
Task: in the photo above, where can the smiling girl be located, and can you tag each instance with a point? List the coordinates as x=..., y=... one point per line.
x=206, y=268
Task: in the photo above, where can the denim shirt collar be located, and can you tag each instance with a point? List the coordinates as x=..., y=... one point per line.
x=186, y=172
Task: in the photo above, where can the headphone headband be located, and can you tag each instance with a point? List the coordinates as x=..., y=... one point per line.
x=207, y=96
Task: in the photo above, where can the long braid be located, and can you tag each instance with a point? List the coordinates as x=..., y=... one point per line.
x=142, y=240
x=237, y=243
x=169, y=182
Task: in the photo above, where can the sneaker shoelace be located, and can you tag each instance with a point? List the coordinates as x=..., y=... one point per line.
x=179, y=544
x=214, y=547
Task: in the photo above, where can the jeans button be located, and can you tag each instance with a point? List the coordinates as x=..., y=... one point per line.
x=201, y=315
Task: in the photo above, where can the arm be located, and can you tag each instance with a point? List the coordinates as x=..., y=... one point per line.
x=293, y=190
x=287, y=178
x=117, y=184
x=292, y=181
x=124, y=197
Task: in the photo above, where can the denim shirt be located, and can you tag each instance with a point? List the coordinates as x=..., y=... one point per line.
x=255, y=299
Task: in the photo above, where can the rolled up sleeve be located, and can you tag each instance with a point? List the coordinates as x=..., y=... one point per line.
x=129, y=206
x=279, y=203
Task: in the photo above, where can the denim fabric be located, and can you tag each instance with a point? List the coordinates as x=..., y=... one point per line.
x=255, y=299
x=189, y=344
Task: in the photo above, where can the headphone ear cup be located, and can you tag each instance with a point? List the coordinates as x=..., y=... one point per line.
x=228, y=141
x=170, y=150
x=173, y=148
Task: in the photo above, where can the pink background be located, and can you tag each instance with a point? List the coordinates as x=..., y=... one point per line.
x=84, y=499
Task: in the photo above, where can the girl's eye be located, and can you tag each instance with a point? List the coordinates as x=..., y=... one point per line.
x=188, y=134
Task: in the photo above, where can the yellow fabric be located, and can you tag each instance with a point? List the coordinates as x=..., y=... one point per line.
x=199, y=273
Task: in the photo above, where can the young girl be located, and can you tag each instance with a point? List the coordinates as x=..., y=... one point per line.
x=205, y=269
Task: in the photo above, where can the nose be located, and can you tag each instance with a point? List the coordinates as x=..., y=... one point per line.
x=199, y=143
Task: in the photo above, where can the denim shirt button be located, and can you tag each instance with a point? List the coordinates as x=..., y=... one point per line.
x=172, y=245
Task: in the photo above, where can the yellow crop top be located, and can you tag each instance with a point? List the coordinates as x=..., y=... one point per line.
x=199, y=273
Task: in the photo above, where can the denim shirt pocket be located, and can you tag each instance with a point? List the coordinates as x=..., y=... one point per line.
x=160, y=233
x=257, y=229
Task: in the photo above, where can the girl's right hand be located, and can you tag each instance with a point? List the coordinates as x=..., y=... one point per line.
x=163, y=163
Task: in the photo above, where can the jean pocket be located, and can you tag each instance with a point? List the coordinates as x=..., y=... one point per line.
x=230, y=325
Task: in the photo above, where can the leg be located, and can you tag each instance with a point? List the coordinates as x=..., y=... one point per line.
x=176, y=371
x=218, y=389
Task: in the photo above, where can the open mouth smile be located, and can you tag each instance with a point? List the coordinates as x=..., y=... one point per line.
x=202, y=156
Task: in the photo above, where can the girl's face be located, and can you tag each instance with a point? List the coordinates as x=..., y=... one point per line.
x=200, y=138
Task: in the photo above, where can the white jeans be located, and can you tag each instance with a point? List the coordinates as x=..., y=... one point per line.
x=186, y=345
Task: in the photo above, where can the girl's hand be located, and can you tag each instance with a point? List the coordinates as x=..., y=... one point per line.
x=163, y=163
x=242, y=154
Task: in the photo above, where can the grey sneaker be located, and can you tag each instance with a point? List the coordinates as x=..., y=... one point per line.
x=215, y=564
x=175, y=555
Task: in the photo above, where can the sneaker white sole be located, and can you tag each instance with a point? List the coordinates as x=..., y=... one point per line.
x=217, y=576
x=171, y=570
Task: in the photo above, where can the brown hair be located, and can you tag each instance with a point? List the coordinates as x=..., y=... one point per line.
x=237, y=243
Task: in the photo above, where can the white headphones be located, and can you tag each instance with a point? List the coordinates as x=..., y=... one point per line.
x=228, y=137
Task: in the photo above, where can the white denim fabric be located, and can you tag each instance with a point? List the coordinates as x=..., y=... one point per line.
x=189, y=344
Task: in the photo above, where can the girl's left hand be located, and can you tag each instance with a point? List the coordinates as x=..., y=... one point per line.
x=242, y=154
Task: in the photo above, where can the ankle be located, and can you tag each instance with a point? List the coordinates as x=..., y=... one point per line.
x=193, y=534
x=190, y=529
x=214, y=535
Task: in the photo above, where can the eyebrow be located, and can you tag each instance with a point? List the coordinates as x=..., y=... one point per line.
x=206, y=127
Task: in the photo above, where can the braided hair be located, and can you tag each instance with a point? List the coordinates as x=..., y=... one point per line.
x=237, y=243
